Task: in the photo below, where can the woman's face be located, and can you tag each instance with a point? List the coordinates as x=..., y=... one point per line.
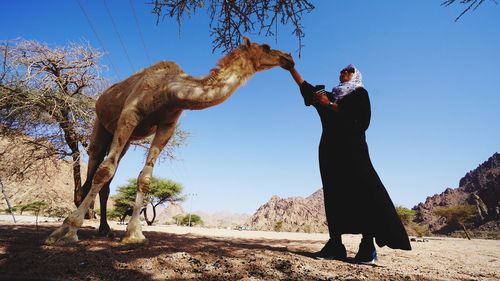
x=345, y=76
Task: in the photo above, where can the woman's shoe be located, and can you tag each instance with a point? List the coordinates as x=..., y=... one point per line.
x=366, y=253
x=331, y=251
x=366, y=257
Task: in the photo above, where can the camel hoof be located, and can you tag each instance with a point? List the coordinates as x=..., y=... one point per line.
x=134, y=239
x=63, y=235
x=105, y=232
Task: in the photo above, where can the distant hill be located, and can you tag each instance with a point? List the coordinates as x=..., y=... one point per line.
x=479, y=187
x=220, y=219
x=51, y=182
x=296, y=214
x=223, y=219
x=166, y=214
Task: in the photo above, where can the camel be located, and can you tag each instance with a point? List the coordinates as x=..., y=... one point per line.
x=151, y=102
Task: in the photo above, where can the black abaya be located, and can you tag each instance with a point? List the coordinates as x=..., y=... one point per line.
x=356, y=201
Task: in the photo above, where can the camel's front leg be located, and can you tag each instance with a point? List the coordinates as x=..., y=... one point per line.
x=134, y=232
x=67, y=233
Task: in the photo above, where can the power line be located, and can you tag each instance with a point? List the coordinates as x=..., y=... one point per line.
x=140, y=31
x=98, y=38
x=119, y=36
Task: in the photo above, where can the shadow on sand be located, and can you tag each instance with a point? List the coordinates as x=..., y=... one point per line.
x=23, y=256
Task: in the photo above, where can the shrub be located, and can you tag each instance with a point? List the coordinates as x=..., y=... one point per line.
x=457, y=215
x=278, y=226
x=406, y=215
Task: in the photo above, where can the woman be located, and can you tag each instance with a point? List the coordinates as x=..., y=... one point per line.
x=355, y=199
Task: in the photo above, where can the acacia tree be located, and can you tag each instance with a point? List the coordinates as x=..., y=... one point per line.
x=188, y=219
x=458, y=215
x=36, y=208
x=48, y=94
x=160, y=192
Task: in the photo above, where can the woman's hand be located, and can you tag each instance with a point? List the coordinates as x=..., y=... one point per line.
x=322, y=100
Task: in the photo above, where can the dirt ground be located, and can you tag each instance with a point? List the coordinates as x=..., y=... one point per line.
x=177, y=253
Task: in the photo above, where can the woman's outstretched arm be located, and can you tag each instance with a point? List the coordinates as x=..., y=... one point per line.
x=296, y=76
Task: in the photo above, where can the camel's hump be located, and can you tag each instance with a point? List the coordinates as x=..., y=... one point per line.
x=169, y=67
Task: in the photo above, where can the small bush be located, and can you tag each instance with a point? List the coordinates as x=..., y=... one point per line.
x=307, y=228
x=185, y=220
x=420, y=230
x=406, y=215
x=278, y=226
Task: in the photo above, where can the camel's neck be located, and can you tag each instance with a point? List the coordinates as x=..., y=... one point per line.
x=218, y=85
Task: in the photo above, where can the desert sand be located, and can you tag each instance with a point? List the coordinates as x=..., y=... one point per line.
x=183, y=253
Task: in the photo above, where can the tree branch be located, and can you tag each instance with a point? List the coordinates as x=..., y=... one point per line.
x=231, y=19
x=471, y=5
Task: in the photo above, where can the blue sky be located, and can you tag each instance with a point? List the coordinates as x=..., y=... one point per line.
x=433, y=82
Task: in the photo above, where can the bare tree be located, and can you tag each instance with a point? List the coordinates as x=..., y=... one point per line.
x=231, y=19
x=470, y=5
x=48, y=94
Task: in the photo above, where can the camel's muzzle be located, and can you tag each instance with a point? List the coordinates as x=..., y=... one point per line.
x=286, y=59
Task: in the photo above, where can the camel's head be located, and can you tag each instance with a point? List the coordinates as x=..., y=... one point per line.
x=263, y=57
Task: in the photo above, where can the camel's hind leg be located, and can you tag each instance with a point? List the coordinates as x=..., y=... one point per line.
x=134, y=232
x=67, y=232
x=100, y=141
x=98, y=148
x=104, y=229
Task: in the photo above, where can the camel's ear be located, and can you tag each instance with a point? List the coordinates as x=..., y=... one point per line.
x=246, y=42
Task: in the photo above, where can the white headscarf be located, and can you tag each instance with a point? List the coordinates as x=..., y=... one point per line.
x=345, y=88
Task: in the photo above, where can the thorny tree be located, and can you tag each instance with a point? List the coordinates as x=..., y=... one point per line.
x=161, y=191
x=231, y=19
x=48, y=94
x=470, y=5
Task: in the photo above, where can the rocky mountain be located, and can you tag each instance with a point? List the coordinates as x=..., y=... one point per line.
x=223, y=219
x=220, y=219
x=49, y=180
x=296, y=214
x=479, y=187
x=166, y=214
